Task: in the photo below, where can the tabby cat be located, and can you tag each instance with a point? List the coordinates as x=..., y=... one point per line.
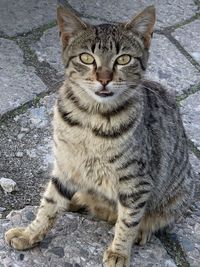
x=119, y=143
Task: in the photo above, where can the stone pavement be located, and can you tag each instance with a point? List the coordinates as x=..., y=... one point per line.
x=31, y=71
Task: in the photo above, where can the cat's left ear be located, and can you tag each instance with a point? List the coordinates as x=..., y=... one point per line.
x=143, y=24
x=69, y=24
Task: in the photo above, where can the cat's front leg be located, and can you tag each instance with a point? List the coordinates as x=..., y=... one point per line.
x=130, y=211
x=56, y=199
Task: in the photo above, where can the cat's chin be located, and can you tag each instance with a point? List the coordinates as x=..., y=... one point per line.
x=101, y=96
x=104, y=98
x=104, y=94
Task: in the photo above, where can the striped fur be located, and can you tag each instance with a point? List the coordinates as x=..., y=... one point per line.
x=124, y=157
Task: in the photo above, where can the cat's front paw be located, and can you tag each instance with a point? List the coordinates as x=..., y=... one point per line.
x=115, y=259
x=21, y=238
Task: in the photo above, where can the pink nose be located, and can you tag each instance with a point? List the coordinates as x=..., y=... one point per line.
x=104, y=75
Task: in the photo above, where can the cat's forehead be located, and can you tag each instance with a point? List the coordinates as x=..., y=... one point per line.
x=107, y=31
x=105, y=40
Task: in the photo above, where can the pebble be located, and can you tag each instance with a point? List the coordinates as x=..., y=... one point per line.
x=20, y=136
x=59, y=251
x=2, y=209
x=23, y=129
x=19, y=154
x=8, y=185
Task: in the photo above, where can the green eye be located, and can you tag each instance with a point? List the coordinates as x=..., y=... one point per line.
x=123, y=60
x=87, y=58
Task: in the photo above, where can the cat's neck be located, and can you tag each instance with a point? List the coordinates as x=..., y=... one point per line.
x=73, y=93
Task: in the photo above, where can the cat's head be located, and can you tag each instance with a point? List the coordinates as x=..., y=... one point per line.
x=106, y=61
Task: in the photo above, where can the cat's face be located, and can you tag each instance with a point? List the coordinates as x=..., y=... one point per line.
x=105, y=61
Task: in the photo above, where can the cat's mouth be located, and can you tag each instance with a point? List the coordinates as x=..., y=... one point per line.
x=104, y=93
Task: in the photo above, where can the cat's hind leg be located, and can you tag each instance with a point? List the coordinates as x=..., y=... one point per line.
x=56, y=199
x=96, y=205
x=152, y=223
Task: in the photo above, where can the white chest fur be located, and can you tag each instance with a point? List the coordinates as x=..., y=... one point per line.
x=83, y=159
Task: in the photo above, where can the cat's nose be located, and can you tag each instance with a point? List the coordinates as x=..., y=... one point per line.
x=104, y=75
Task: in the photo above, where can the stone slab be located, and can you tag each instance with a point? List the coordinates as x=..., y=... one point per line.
x=189, y=38
x=48, y=49
x=18, y=83
x=188, y=234
x=21, y=16
x=76, y=240
x=190, y=109
x=25, y=153
x=171, y=69
x=114, y=10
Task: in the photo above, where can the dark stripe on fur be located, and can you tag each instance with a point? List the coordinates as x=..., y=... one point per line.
x=130, y=224
x=142, y=183
x=126, y=178
x=140, y=205
x=141, y=63
x=67, y=64
x=55, y=143
x=116, y=132
x=68, y=118
x=61, y=189
x=124, y=106
x=127, y=164
x=129, y=200
x=117, y=46
x=76, y=101
x=116, y=157
x=63, y=140
x=50, y=200
x=132, y=214
x=70, y=121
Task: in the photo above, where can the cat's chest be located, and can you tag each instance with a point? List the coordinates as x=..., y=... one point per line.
x=85, y=160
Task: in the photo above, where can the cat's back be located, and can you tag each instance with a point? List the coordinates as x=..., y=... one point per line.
x=158, y=93
x=161, y=111
x=168, y=141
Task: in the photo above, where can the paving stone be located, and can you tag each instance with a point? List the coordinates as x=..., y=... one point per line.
x=18, y=83
x=169, y=67
x=113, y=10
x=48, y=49
x=188, y=234
x=189, y=37
x=23, y=15
x=31, y=137
x=172, y=69
x=76, y=240
x=190, y=109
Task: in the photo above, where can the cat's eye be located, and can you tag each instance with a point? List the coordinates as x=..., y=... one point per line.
x=123, y=60
x=87, y=58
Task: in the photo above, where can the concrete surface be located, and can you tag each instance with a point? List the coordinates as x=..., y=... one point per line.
x=189, y=37
x=31, y=71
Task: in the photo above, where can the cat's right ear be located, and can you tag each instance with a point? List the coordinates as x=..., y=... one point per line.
x=69, y=24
